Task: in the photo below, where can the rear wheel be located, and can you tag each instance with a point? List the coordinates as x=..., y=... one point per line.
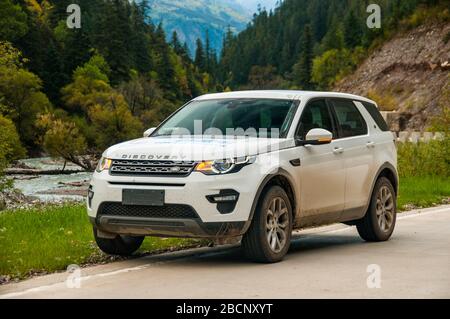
x=119, y=245
x=269, y=235
x=379, y=222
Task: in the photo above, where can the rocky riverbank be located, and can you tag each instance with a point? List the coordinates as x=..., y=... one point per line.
x=44, y=180
x=15, y=199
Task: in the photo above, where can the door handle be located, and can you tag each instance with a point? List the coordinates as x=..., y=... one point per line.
x=370, y=144
x=338, y=150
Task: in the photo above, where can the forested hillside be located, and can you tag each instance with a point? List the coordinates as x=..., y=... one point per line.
x=409, y=74
x=76, y=91
x=309, y=44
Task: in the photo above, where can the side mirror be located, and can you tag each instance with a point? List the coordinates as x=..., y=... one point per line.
x=316, y=136
x=149, y=132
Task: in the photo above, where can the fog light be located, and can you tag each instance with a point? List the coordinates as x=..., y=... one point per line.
x=228, y=198
x=224, y=196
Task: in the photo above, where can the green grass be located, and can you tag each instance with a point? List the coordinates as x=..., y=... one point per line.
x=423, y=191
x=50, y=238
x=424, y=170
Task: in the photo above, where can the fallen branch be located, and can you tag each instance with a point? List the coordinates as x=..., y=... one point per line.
x=25, y=171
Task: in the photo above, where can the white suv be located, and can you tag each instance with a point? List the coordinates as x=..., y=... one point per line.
x=253, y=165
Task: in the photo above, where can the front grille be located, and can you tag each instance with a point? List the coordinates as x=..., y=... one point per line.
x=166, y=211
x=151, y=168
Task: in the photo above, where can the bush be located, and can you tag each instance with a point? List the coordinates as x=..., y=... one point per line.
x=63, y=139
x=10, y=148
x=386, y=101
x=424, y=159
x=334, y=65
x=433, y=158
x=114, y=122
x=425, y=14
x=20, y=93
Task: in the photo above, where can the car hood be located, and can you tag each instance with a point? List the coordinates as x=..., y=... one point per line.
x=195, y=148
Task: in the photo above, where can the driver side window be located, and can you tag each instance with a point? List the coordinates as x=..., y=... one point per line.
x=315, y=115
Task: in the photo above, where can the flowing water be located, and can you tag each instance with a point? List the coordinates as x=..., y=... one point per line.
x=52, y=188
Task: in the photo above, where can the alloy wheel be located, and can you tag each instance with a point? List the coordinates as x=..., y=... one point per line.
x=385, y=209
x=277, y=223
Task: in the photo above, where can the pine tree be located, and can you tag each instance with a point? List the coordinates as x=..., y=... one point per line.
x=176, y=44
x=303, y=69
x=200, y=58
x=114, y=41
x=352, y=30
x=319, y=21
x=139, y=38
x=207, y=53
x=186, y=50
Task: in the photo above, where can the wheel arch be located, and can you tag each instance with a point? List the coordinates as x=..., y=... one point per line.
x=390, y=172
x=283, y=179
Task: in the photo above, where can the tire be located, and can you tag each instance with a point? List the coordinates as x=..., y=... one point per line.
x=120, y=245
x=383, y=205
x=255, y=242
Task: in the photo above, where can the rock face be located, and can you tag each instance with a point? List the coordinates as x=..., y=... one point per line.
x=410, y=71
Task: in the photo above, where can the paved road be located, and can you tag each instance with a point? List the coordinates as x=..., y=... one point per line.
x=327, y=262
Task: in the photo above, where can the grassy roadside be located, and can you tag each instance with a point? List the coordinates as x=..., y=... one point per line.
x=424, y=170
x=48, y=239
x=422, y=191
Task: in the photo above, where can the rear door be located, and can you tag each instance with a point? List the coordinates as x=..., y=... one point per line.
x=357, y=155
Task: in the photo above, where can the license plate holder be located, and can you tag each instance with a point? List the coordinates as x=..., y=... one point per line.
x=143, y=197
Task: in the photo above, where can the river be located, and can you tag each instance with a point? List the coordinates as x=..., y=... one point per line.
x=52, y=188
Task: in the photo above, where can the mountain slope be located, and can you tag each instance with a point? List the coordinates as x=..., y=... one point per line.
x=252, y=5
x=407, y=74
x=191, y=19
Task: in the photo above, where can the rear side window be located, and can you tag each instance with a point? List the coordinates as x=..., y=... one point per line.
x=349, y=119
x=376, y=115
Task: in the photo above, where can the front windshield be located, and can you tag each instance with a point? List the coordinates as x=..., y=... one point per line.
x=232, y=117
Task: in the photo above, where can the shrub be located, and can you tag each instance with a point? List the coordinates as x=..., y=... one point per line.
x=63, y=139
x=386, y=101
x=10, y=148
x=424, y=159
x=20, y=93
x=334, y=65
x=114, y=122
x=425, y=14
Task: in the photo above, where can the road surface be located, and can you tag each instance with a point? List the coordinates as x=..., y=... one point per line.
x=326, y=262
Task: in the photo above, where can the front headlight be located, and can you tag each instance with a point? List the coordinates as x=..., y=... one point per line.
x=224, y=166
x=103, y=164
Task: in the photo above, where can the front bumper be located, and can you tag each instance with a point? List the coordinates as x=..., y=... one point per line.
x=187, y=228
x=191, y=191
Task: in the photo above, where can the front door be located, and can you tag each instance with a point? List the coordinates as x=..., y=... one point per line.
x=322, y=167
